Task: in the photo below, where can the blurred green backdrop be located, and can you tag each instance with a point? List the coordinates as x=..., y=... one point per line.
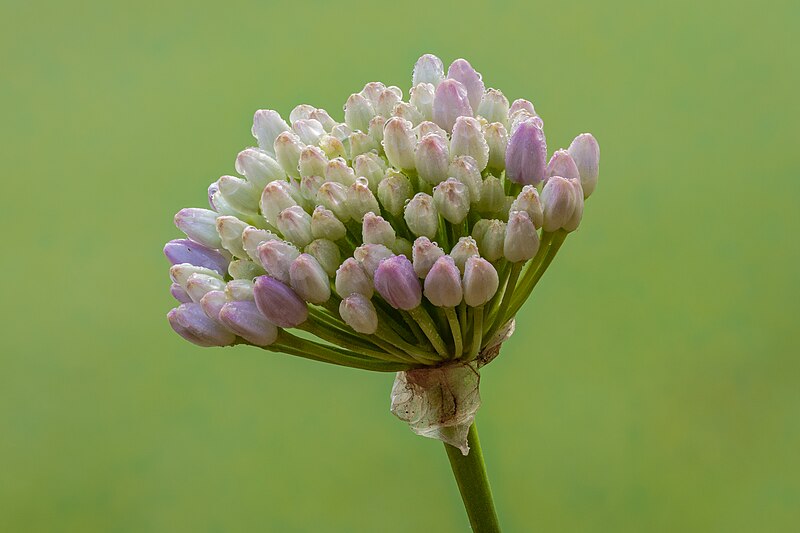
x=654, y=387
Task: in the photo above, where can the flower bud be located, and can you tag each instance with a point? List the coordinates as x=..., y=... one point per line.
x=427, y=128
x=300, y=112
x=370, y=166
x=333, y=196
x=186, y=251
x=490, y=234
x=180, y=273
x=326, y=253
x=212, y=304
x=359, y=313
x=586, y=153
x=267, y=125
x=372, y=92
x=443, y=283
x=361, y=200
x=528, y=201
x=240, y=194
x=577, y=212
x=558, y=197
x=409, y=112
x=245, y=269
x=309, y=280
x=428, y=69
x=325, y=225
x=275, y=197
x=497, y=141
x=480, y=281
x=190, y=322
x=361, y=143
x=244, y=319
x=562, y=164
x=523, y=116
x=239, y=290
x=397, y=283
x=394, y=191
x=465, y=248
x=358, y=112
x=200, y=225
x=494, y=106
x=402, y=246
x=279, y=303
x=468, y=140
x=371, y=255
x=338, y=171
x=332, y=145
x=222, y=207
x=351, y=278
x=376, y=126
x=424, y=254
x=309, y=187
x=421, y=98
x=276, y=257
x=521, y=105
x=322, y=116
x=465, y=169
x=450, y=101
x=421, y=215
x=313, y=161
x=230, y=231
x=522, y=241
x=461, y=70
x=308, y=130
x=252, y=237
x=179, y=293
x=287, y=151
x=340, y=132
x=432, y=159
x=295, y=225
x=375, y=230
x=492, y=196
x=212, y=190
x=197, y=285
x=386, y=102
x=451, y=198
x=526, y=155
x=399, y=142
x=258, y=167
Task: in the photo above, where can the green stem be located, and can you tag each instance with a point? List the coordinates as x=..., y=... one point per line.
x=473, y=484
x=511, y=284
x=429, y=329
x=455, y=328
x=532, y=276
x=477, y=332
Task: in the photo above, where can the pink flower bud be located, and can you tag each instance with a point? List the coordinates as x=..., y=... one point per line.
x=424, y=254
x=468, y=140
x=190, y=322
x=451, y=198
x=586, y=153
x=376, y=230
x=371, y=255
x=465, y=248
x=352, y=278
x=186, y=251
x=309, y=280
x=443, y=283
x=397, y=283
x=244, y=319
x=526, y=155
x=399, y=142
x=278, y=303
x=276, y=257
x=528, y=201
x=562, y=164
x=480, y=281
x=450, y=101
x=522, y=241
x=359, y=313
x=432, y=159
x=421, y=216
x=295, y=225
x=461, y=70
x=558, y=197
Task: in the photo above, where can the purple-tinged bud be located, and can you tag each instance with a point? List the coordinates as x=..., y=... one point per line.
x=372, y=92
x=494, y=106
x=279, y=303
x=386, y=102
x=325, y=225
x=465, y=248
x=376, y=126
x=523, y=116
x=562, y=164
x=428, y=69
x=358, y=111
x=359, y=313
x=338, y=171
x=258, y=167
x=394, y=191
x=443, y=283
x=360, y=200
x=370, y=166
x=451, y=198
x=179, y=294
x=558, y=197
x=465, y=169
x=240, y=290
x=252, y=237
x=432, y=159
x=212, y=304
x=424, y=254
x=186, y=251
x=288, y=147
x=309, y=187
x=492, y=196
x=586, y=153
x=267, y=125
x=361, y=143
x=421, y=215
x=312, y=161
x=480, y=281
x=295, y=225
x=276, y=257
x=239, y=193
x=332, y=145
x=375, y=230
x=309, y=280
x=180, y=273
x=300, y=112
x=431, y=128
x=333, y=196
x=200, y=225
x=528, y=201
x=402, y=246
x=322, y=116
x=468, y=140
x=497, y=140
x=230, y=231
x=522, y=241
x=397, y=283
x=422, y=99
x=190, y=322
x=521, y=105
x=245, y=269
x=326, y=253
x=199, y=284
x=399, y=142
x=408, y=112
x=276, y=197
x=577, y=213
x=308, y=130
x=450, y=102
x=351, y=278
x=371, y=255
x=490, y=235
x=526, y=155
x=244, y=319
x=461, y=70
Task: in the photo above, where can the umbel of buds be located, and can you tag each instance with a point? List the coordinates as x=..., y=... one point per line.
x=406, y=237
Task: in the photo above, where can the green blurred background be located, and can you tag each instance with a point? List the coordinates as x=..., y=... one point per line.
x=655, y=385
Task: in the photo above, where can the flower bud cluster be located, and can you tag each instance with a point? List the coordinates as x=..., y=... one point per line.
x=403, y=236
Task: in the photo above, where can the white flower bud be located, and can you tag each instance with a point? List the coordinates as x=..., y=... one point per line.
x=333, y=196
x=522, y=241
x=427, y=128
x=586, y=153
x=386, y=102
x=408, y=112
x=198, y=285
x=361, y=143
x=200, y=225
x=523, y=105
x=422, y=99
x=428, y=69
x=490, y=235
x=322, y=116
x=371, y=255
x=240, y=194
x=351, y=278
x=240, y=290
x=287, y=151
x=332, y=145
x=577, y=213
x=421, y=216
x=212, y=303
x=480, y=281
x=309, y=187
x=424, y=255
x=230, y=233
x=465, y=169
x=562, y=164
x=494, y=106
x=358, y=112
x=326, y=253
x=276, y=197
x=376, y=126
x=558, y=197
x=295, y=225
x=258, y=167
x=359, y=313
x=245, y=270
x=399, y=142
x=308, y=130
x=370, y=166
x=461, y=70
x=252, y=237
x=468, y=140
x=497, y=140
x=312, y=162
x=372, y=92
x=432, y=159
x=181, y=272
x=528, y=201
x=465, y=248
x=276, y=257
x=451, y=198
x=338, y=171
x=443, y=283
x=492, y=196
x=360, y=200
x=309, y=280
x=300, y=112
x=376, y=230
x=267, y=125
x=325, y=225
x=402, y=246
x=394, y=191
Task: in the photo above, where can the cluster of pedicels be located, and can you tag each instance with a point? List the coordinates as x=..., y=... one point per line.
x=405, y=237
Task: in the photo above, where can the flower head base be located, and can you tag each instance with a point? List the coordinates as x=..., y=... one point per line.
x=405, y=237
